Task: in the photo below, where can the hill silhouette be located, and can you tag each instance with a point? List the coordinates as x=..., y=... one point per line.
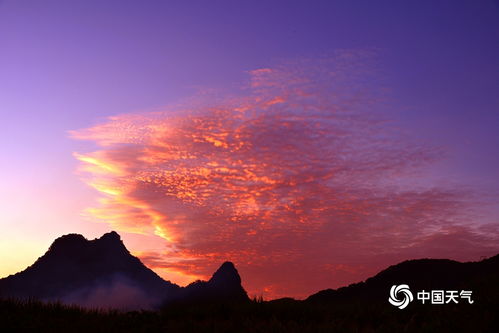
x=423, y=274
x=103, y=273
x=224, y=285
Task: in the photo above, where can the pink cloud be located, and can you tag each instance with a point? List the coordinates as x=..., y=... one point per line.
x=298, y=181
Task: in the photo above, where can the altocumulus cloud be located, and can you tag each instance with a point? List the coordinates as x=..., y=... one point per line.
x=299, y=179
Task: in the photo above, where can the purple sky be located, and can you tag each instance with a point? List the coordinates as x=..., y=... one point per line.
x=68, y=65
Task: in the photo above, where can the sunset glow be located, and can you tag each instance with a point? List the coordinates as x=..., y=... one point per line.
x=296, y=179
x=311, y=143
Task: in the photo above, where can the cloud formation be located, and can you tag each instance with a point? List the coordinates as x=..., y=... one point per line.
x=299, y=179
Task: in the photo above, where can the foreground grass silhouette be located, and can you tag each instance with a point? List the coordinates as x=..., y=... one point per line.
x=254, y=316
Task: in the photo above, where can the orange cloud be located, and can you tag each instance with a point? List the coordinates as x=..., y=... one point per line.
x=297, y=181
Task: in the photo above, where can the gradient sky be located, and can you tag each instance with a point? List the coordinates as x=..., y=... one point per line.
x=313, y=143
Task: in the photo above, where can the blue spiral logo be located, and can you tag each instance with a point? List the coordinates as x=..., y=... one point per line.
x=402, y=291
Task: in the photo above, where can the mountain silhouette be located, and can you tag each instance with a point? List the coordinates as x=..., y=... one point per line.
x=103, y=273
x=224, y=285
x=482, y=278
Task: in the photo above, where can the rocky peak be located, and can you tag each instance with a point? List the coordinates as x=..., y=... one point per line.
x=112, y=236
x=226, y=275
x=68, y=242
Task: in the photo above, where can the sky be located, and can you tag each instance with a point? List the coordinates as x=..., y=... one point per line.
x=312, y=143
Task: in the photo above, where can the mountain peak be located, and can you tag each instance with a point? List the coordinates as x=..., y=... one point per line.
x=76, y=270
x=102, y=272
x=224, y=285
x=228, y=265
x=76, y=242
x=226, y=274
x=113, y=235
x=69, y=241
x=112, y=239
x=227, y=282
